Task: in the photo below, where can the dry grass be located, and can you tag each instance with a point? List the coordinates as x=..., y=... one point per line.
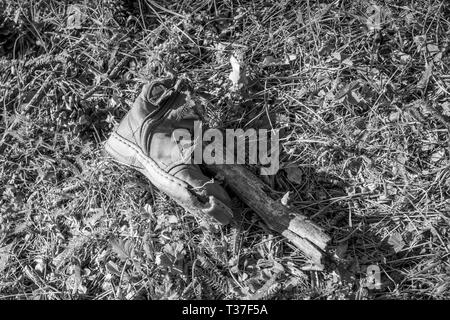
x=365, y=117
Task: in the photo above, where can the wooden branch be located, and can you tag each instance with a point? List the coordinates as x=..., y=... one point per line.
x=302, y=232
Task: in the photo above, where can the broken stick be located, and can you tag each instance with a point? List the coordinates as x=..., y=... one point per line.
x=302, y=232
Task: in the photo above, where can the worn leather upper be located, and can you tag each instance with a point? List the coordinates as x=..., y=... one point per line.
x=143, y=140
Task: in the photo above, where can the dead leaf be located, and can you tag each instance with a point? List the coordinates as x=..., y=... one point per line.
x=75, y=286
x=326, y=49
x=277, y=267
x=4, y=256
x=237, y=74
x=433, y=51
x=323, y=11
x=410, y=18
x=294, y=174
x=346, y=89
x=394, y=116
x=176, y=250
x=172, y=219
x=396, y=241
x=438, y=155
x=269, y=60
x=374, y=18
x=299, y=18
x=123, y=249
x=420, y=40
x=285, y=199
x=272, y=61
x=112, y=268
x=74, y=17
x=74, y=282
x=40, y=265
x=148, y=209
x=355, y=98
x=423, y=82
x=164, y=260
x=404, y=58
x=98, y=214
x=341, y=250
x=292, y=57
x=446, y=108
x=441, y=289
x=114, y=101
x=336, y=55
x=348, y=62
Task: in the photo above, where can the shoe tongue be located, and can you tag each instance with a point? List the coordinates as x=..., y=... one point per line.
x=156, y=92
x=150, y=98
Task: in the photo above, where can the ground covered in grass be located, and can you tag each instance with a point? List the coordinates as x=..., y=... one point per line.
x=359, y=88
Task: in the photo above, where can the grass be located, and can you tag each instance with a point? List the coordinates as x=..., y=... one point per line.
x=365, y=148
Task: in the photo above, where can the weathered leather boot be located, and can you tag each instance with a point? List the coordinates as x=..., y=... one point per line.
x=143, y=140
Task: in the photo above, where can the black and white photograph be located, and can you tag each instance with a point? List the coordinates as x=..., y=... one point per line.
x=225, y=154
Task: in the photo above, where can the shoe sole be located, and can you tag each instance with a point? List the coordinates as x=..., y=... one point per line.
x=158, y=177
x=136, y=159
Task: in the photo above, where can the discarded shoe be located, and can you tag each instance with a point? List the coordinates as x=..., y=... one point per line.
x=143, y=140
